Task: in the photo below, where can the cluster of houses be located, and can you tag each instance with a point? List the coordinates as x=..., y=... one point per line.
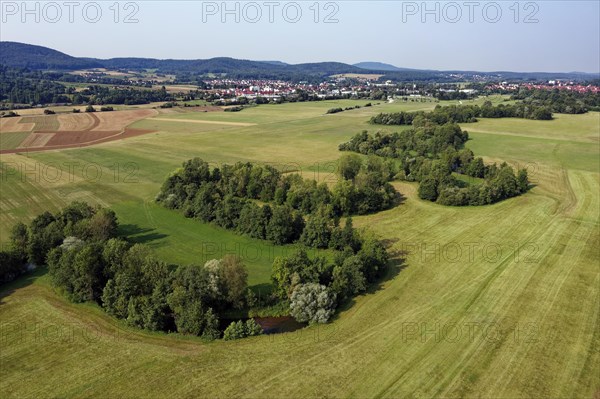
x=550, y=85
x=277, y=89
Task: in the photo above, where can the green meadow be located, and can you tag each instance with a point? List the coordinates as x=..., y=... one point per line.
x=493, y=301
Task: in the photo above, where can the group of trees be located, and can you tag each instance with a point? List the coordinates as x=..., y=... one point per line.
x=422, y=140
x=339, y=109
x=261, y=202
x=88, y=263
x=292, y=209
x=439, y=185
x=560, y=101
x=90, y=108
x=314, y=287
x=431, y=154
x=99, y=95
x=188, y=299
x=465, y=114
x=30, y=244
x=131, y=284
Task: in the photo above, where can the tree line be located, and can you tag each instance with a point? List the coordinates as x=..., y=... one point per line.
x=432, y=154
x=465, y=114
x=293, y=209
x=560, y=101
x=99, y=95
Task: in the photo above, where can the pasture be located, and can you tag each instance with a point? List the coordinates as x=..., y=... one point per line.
x=493, y=301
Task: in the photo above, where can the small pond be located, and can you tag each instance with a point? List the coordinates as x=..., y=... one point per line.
x=276, y=325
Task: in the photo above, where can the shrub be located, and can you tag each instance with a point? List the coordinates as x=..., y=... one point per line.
x=253, y=328
x=239, y=329
x=236, y=108
x=235, y=330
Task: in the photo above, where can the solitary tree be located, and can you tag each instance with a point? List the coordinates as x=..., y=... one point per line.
x=312, y=303
x=349, y=166
x=235, y=278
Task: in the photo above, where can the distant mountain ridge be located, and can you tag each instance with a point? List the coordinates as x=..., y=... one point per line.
x=21, y=55
x=378, y=66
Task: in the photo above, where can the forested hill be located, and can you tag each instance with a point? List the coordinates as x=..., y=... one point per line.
x=21, y=55
x=228, y=65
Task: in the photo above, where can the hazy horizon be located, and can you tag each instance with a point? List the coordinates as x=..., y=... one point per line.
x=565, y=38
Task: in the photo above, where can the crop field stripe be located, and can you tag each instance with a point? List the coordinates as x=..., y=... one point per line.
x=44, y=122
x=9, y=141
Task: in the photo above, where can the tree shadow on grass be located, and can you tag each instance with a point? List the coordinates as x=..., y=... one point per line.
x=140, y=235
x=399, y=199
x=21, y=282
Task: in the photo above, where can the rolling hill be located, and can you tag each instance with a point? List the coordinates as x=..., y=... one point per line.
x=21, y=55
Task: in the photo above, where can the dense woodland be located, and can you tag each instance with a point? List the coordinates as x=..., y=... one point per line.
x=129, y=96
x=27, y=87
x=432, y=153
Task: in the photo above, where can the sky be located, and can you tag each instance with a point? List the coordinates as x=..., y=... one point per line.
x=550, y=36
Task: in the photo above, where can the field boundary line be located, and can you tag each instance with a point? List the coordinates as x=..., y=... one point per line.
x=204, y=121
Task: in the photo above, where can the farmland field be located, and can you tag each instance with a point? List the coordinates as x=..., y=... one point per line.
x=15, y=124
x=9, y=141
x=45, y=122
x=72, y=130
x=494, y=301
